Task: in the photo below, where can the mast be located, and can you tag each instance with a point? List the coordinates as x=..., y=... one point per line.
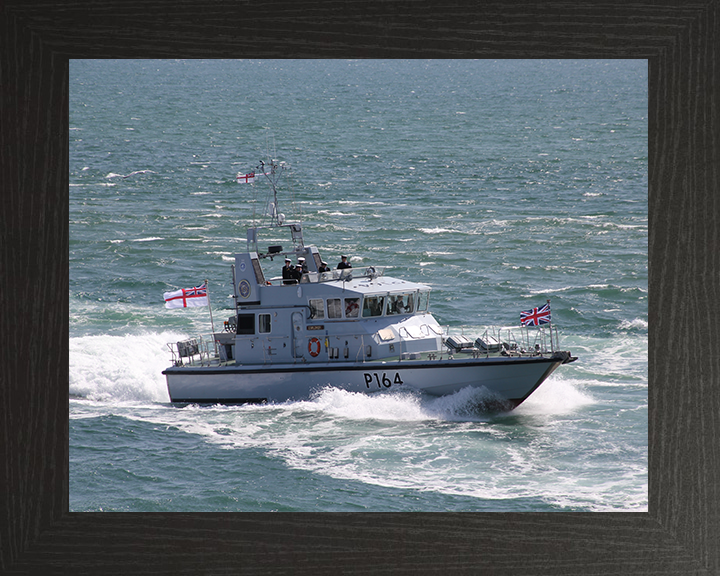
x=273, y=177
x=273, y=170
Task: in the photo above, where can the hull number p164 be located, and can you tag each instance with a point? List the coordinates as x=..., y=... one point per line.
x=383, y=380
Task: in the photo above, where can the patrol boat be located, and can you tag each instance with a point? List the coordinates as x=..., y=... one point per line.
x=359, y=330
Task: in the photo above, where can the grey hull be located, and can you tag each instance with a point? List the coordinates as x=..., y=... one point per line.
x=512, y=379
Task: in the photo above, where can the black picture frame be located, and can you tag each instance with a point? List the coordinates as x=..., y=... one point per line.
x=680, y=532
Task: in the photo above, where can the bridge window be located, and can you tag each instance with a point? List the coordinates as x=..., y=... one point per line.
x=264, y=323
x=317, y=309
x=400, y=304
x=373, y=306
x=333, y=308
x=423, y=300
x=245, y=324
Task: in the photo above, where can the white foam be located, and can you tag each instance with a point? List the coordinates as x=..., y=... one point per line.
x=121, y=368
x=359, y=406
x=335, y=213
x=361, y=203
x=468, y=404
x=557, y=395
x=436, y=230
x=618, y=361
x=637, y=323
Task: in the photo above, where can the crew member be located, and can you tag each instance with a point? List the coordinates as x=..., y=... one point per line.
x=288, y=273
x=324, y=267
x=298, y=272
x=344, y=263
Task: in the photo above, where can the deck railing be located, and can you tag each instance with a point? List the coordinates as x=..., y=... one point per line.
x=494, y=341
x=200, y=351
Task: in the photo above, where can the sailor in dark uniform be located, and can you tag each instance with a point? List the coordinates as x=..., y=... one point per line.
x=288, y=272
x=344, y=263
x=297, y=272
x=301, y=262
x=324, y=267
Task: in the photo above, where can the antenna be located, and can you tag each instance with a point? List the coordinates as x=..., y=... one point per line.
x=273, y=173
x=273, y=169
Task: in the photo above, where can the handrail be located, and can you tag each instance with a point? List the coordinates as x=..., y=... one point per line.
x=331, y=276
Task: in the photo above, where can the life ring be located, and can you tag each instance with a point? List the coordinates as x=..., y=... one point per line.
x=351, y=307
x=311, y=347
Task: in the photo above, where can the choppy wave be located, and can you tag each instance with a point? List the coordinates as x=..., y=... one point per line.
x=436, y=230
x=637, y=323
x=404, y=441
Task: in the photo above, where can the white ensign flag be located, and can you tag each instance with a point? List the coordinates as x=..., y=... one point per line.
x=187, y=297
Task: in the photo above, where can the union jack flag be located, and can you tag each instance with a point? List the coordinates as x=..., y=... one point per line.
x=536, y=316
x=187, y=297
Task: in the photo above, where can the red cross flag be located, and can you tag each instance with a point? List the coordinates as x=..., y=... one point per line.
x=187, y=297
x=245, y=178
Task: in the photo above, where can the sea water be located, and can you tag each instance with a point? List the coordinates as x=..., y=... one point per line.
x=500, y=184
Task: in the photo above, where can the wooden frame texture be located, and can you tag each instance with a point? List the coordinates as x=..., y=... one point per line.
x=681, y=532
